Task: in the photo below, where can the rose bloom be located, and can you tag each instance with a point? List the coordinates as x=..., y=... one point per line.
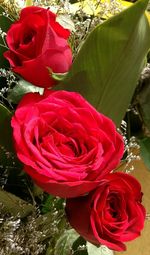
x=66, y=146
x=37, y=42
x=111, y=214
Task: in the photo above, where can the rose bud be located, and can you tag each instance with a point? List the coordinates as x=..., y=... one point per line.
x=38, y=46
x=111, y=214
x=66, y=146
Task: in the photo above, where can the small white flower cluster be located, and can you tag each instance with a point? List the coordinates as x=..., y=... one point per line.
x=2, y=34
x=21, y=3
x=131, y=148
x=16, y=237
x=11, y=81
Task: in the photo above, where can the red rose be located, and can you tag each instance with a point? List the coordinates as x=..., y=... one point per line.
x=65, y=144
x=36, y=41
x=111, y=214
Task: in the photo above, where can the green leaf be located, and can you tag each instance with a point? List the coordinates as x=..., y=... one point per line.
x=143, y=100
x=58, y=76
x=102, y=250
x=107, y=68
x=21, y=88
x=5, y=23
x=45, y=222
x=14, y=205
x=5, y=20
x=5, y=128
x=8, y=159
x=79, y=246
x=48, y=204
x=65, y=242
x=145, y=150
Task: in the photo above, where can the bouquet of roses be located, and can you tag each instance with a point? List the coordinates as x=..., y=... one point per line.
x=60, y=150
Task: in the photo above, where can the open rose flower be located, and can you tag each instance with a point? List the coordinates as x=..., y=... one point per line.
x=37, y=42
x=66, y=146
x=111, y=214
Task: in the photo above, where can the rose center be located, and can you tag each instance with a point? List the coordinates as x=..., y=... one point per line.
x=28, y=37
x=65, y=145
x=70, y=148
x=112, y=210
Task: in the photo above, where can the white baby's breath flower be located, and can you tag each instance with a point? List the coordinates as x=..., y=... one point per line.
x=21, y=3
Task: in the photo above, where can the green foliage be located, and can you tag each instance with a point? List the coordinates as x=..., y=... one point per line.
x=58, y=76
x=79, y=247
x=7, y=154
x=10, y=167
x=5, y=23
x=145, y=150
x=50, y=203
x=5, y=128
x=143, y=100
x=108, y=65
x=65, y=242
x=21, y=88
x=14, y=205
x=5, y=20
